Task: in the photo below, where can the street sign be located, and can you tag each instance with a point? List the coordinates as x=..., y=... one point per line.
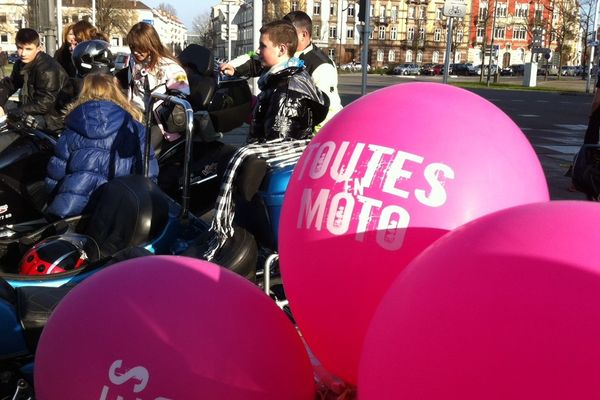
x=454, y=8
x=541, y=50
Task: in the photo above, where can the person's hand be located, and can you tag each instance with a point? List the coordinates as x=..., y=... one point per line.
x=227, y=69
x=15, y=115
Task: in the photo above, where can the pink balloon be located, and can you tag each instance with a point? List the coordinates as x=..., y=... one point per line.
x=506, y=307
x=170, y=328
x=390, y=174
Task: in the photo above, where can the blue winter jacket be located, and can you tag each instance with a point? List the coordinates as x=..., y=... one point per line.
x=101, y=141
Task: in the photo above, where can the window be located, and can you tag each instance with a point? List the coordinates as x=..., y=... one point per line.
x=382, y=13
x=519, y=33
x=331, y=53
x=480, y=32
x=553, y=37
x=438, y=13
x=350, y=33
x=3, y=38
x=419, y=56
x=521, y=10
x=482, y=11
x=410, y=34
x=74, y=18
x=3, y=18
x=421, y=33
x=457, y=57
x=459, y=36
x=351, y=10
x=435, y=57
x=316, y=31
x=294, y=6
x=332, y=9
x=499, y=32
x=370, y=33
x=114, y=41
x=394, y=33
x=408, y=56
x=437, y=35
x=333, y=32
x=421, y=12
x=379, y=55
x=521, y=55
x=317, y=9
x=394, y=14
x=538, y=14
x=391, y=56
x=501, y=10
x=411, y=12
x=382, y=32
x=371, y=9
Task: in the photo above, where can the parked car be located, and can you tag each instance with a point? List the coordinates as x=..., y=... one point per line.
x=407, y=69
x=568, y=70
x=513, y=70
x=439, y=69
x=121, y=60
x=427, y=69
x=547, y=70
x=493, y=69
x=12, y=58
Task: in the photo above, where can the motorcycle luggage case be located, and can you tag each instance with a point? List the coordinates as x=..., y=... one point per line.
x=273, y=191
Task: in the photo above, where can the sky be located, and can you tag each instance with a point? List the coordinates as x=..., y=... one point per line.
x=187, y=10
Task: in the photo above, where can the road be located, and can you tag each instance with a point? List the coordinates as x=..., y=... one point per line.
x=553, y=122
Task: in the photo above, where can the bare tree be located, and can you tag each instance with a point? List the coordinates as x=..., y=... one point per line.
x=564, y=29
x=202, y=31
x=113, y=17
x=586, y=13
x=169, y=9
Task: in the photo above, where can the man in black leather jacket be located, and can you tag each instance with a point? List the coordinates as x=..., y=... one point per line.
x=289, y=105
x=40, y=79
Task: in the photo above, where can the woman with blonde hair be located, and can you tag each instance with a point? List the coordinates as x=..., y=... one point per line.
x=64, y=52
x=103, y=139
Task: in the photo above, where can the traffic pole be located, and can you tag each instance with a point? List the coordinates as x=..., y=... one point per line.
x=448, y=49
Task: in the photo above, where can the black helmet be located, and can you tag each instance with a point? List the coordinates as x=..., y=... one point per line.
x=93, y=56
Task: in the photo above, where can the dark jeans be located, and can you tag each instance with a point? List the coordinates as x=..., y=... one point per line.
x=592, y=133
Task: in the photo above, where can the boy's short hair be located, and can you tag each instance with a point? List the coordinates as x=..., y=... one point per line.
x=27, y=36
x=282, y=32
x=300, y=19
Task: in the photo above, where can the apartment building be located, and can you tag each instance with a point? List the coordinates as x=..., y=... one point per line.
x=15, y=14
x=415, y=31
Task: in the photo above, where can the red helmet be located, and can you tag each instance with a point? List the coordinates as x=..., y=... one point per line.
x=59, y=254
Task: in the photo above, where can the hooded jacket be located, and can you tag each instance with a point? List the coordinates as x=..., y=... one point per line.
x=101, y=141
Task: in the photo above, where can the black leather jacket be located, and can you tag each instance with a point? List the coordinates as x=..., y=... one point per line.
x=40, y=82
x=289, y=106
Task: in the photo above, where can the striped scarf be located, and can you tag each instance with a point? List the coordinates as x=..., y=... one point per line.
x=275, y=151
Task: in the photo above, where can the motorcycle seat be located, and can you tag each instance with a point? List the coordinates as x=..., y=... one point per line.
x=34, y=305
x=198, y=63
x=7, y=292
x=126, y=211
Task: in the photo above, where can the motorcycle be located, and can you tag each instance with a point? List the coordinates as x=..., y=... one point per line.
x=25, y=304
x=130, y=210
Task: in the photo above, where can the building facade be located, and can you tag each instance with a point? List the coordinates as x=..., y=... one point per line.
x=415, y=31
x=15, y=14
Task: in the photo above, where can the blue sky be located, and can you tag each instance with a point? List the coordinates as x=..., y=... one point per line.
x=186, y=9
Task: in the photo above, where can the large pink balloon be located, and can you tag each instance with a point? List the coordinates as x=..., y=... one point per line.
x=390, y=174
x=506, y=307
x=170, y=328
